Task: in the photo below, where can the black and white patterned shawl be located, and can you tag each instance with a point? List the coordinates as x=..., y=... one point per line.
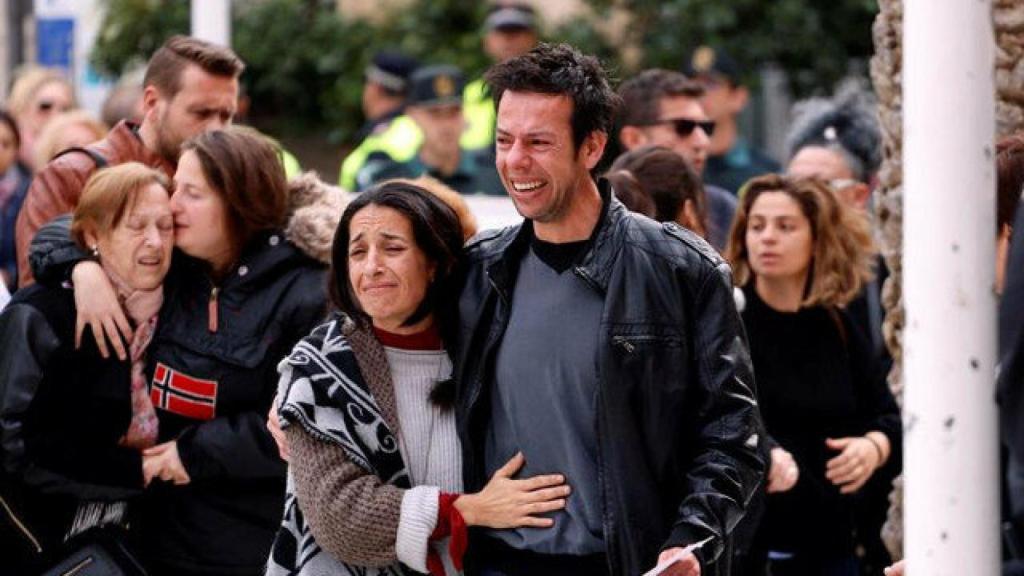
x=324, y=391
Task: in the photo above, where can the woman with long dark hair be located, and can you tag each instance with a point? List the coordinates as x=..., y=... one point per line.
x=367, y=407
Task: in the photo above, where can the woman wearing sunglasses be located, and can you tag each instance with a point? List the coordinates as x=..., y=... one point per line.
x=38, y=95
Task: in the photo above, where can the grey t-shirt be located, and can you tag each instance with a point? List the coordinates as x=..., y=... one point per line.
x=544, y=402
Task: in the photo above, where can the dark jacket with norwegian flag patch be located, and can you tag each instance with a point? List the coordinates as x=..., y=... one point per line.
x=213, y=375
x=212, y=391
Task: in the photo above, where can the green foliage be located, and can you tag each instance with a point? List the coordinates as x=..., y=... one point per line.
x=439, y=31
x=134, y=29
x=305, y=61
x=582, y=34
x=299, y=58
x=813, y=40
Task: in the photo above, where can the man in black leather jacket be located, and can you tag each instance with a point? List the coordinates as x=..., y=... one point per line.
x=602, y=345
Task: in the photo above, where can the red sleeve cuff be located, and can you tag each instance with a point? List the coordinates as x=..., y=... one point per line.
x=449, y=523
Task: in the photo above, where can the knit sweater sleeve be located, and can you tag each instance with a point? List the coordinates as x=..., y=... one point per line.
x=352, y=514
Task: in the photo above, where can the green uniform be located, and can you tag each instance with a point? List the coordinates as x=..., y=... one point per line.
x=735, y=167
x=401, y=138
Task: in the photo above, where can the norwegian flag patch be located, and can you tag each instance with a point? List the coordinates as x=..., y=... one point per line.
x=182, y=394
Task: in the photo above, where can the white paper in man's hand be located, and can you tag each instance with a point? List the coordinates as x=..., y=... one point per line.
x=5, y=295
x=664, y=565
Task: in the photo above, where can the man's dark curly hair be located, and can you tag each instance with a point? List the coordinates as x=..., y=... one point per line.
x=560, y=69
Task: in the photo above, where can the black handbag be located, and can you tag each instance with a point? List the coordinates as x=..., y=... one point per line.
x=98, y=552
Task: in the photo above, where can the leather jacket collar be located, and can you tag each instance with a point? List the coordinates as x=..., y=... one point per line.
x=595, y=262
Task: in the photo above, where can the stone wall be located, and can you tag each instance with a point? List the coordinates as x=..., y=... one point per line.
x=1008, y=19
x=886, y=75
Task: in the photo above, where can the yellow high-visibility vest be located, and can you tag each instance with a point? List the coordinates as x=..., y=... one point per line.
x=291, y=164
x=400, y=140
x=478, y=108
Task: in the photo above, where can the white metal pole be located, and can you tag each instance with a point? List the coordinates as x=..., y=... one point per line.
x=950, y=463
x=211, y=21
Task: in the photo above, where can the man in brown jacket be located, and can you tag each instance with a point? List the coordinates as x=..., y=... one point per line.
x=190, y=86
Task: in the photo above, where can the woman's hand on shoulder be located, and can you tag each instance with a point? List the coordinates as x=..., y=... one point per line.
x=857, y=460
x=99, y=309
x=784, y=472
x=506, y=502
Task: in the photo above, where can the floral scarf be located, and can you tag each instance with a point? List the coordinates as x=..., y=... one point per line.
x=142, y=308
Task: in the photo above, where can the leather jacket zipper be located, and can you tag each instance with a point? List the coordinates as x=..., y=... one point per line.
x=487, y=351
x=628, y=343
x=579, y=271
x=501, y=293
x=611, y=556
x=211, y=310
x=21, y=526
x=624, y=343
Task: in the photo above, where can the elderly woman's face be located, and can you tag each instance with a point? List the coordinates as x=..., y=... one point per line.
x=138, y=249
x=387, y=270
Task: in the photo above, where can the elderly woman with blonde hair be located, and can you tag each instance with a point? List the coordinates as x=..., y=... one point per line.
x=38, y=94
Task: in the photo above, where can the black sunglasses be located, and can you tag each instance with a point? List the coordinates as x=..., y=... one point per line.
x=684, y=126
x=48, y=105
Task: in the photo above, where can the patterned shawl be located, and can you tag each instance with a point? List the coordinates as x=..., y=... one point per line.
x=323, y=390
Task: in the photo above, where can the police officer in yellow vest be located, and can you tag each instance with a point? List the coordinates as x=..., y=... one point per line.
x=435, y=104
x=509, y=31
x=387, y=128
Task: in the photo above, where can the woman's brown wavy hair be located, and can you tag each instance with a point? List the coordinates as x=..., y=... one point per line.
x=843, y=252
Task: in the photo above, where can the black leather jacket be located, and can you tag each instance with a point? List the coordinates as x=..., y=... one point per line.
x=62, y=411
x=677, y=419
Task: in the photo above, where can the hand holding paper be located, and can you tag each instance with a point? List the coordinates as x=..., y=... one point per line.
x=678, y=561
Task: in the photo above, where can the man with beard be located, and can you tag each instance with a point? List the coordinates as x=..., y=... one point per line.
x=191, y=86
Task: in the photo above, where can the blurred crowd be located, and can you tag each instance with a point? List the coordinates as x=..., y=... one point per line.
x=171, y=274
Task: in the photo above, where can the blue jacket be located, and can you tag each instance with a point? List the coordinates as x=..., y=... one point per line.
x=8, y=218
